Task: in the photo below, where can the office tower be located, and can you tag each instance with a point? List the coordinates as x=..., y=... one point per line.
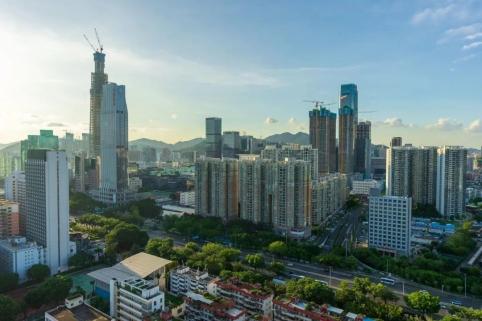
x=363, y=145
x=451, y=167
x=349, y=97
x=135, y=299
x=411, y=172
x=113, y=178
x=292, y=197
x=396, y=142
x=345, y=140
x=231, y=144
x=216, y=187
x=47, y=205
x=15, y=192
x=214, y=139
x=17, y=255
x=46, y=140
x=97, y=80
x=323, y=138
x=378, y=161
x=389, y=223
x=246, y=144
x=85, y=173
x=293, y=151
x=9, y=219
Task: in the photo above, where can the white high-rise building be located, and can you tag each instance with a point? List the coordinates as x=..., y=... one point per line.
x=18, y=256
x=389, y=222
x=113, y=185
x=451, y=168
x=15, y=191
x=47, y=205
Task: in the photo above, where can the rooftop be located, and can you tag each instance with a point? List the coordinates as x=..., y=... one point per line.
x=142, y=264
x=80, y=313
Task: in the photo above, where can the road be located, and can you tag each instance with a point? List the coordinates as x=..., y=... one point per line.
x=334, y=278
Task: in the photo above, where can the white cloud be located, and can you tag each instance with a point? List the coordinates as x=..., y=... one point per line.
x=475, y=126
x=394, y=122
x=270, y=121
x=472, y=45
x=462, y=32
x=54, y=124
x=173, y=116
x=435, y=14
x=295, y=124
x=445, y=124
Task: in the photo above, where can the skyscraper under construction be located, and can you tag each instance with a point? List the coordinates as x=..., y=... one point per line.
x=98, y=79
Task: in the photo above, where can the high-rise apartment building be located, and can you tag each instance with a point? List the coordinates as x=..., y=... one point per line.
x=216, y=188
x=293, y=151
x=214, y=139
x=412, y=171
x=451, y=168
x=46, y=140
x=363, y=144
x=17, y=255
x=231, y=144
x=346, y=139
x=97, y=80
x=15, y=192
x=328, y=195
x=323, y=138
x=113, y=183
x=389, y=223
x=396, y=142
x=47, y=205
x=9, y=219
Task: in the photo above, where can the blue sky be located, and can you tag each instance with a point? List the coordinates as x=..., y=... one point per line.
x=417, y=64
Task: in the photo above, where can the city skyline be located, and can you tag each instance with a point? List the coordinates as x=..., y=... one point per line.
x=176, y=83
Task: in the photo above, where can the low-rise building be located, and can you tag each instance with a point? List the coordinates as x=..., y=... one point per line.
x=253, y=298
x=75, y=310
x=187, y=198
x=299, y=310
x=17, y=256
x=135, y=299
x=185, y=279
x=135, y=183
x=201, y=308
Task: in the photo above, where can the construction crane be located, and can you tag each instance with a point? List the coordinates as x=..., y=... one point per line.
x=101, y=47
x=318, y=103
x=90, y=43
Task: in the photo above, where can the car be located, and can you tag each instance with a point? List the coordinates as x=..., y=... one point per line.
x=456, y=302
x=289, y=264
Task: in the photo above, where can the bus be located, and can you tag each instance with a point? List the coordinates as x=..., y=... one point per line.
x=387, y=281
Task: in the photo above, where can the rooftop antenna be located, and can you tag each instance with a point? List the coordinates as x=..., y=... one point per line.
x=101, y=47
x=90, y=43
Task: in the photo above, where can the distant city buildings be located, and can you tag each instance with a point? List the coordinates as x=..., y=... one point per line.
x=451, y=168
x=47, y=205
x=363, y=144
x=15, y=191
x=46, y=140
x=214, y=139
x=231, y=144
x=187, y=198
x=363, y=187
x=9, y=219
x=346, y=134
x=389, y=223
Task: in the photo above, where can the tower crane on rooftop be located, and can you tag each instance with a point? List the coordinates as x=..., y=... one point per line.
x=101, y=47
x=318, y=103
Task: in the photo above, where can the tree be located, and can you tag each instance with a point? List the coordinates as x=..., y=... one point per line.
x=423, y=301
x=277, y=267
x=81, y=259
x=36, y=297
x=57, y=288
x=125, y=237
x=160, y=247
x=8, y=281
x=311, y=290
x=38, y=272
x=146, y=208
x=9, y=309
x=255, y=260
x=278, y=248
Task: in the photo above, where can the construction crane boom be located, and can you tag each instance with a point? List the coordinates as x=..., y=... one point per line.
x=90, y=43
x=101, y=47
x=318, y=103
